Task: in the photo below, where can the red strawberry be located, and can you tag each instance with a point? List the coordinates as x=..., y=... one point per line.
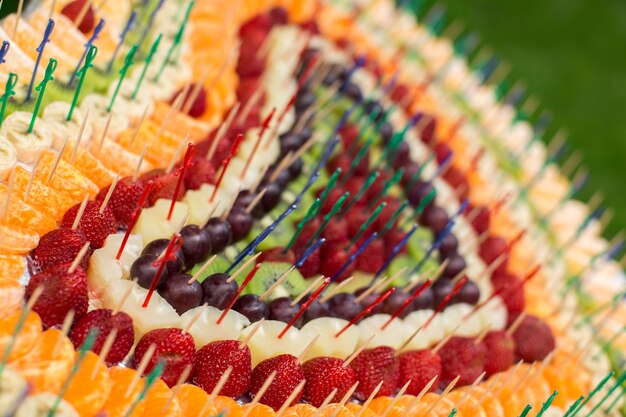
x=124, y=199
x=356, y=217
x=201, y=172
x=95, y=226
x=199, y=105
x=387, y=213
x=322, y=376
x=60, y=246
x=511, y=291
x=392, y=238
x=481, y=218
x=289, y=374
x=492, y=248
x=419, y=367
x=247, y=87
x=276, y=255
x=354, y=185
x=458, y=181
x=333, y=258
x=62, y=292
x=374, y=365
x=336, y=230
x=213, y=359
x=533, y=339
x=442, y=151
x=311, y=266
x=349, y=132
x=164, y=185
x=308, y=231
x=174, y=347
x=501, y=348
x=461, y=356
x=104, y=321
x=74, y=8
x=372, y=258
x=334, y=195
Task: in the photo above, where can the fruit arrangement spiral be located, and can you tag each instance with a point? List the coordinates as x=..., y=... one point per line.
x=288, y=208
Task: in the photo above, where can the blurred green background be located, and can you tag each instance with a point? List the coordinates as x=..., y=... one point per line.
x=571, y=54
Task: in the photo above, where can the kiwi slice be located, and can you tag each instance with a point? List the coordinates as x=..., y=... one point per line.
x=267, y=275
x=409, y=262
x=220, y=264
x=360, y=279
x=419, y=243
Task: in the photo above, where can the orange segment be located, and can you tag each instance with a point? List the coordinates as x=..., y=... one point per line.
x=356, y=409
x=24, y=215
x=26, y=338
x=66, y=178
x=300, y=410
x=197, y=130
x=160, y=150
x=259, y=410
x=42, y=197
x=88, y=394
x=119, y=403
x=439, y=407
x=161, y=402
x=489, y=402
x=336, y=410
x=12, y=267
x=48, y=363
x=117, y=159
x=469, y=407
x=191, y=400
x=227, y=404
x=11, y=297
x=89, y=166
x=16, y=240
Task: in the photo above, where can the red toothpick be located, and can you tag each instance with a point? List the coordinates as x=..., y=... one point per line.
x=134, y=217
x=176, y=243
x=500, y=203
x=225, y=163
x=446, y=300
x=187, y=162
x=306, y=305
x=259, y=139
x=366, y=311
x=406, y=302
x=239, y=291
x=516, y=239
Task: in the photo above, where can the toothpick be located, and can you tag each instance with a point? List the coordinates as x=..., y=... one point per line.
x=65, y=329
x=291, y=398
x=140, y=162
x=105, y=132
x=523, y=379
x=184, y=376
x=139, y=125
x=325, y=403
x=104, y=352
x=435, y=272
x=255, y=201
x=254, y=98
x=188, y=102
x=259, y=394
x=344, y=399
x=276, y=283
x=81, y=15
x=255, y=328
x=109, y=194
x=242, y=267
x=282, y=165
x=119, y=305
x=421, y=394
x=52, y=5
x=223, y=129
x=314, y=284
x=145, y=360
x=358, y=351
x=369, y=399
x=203, y=268
x=54, y=167
x=481, y=336
x=490, y=387
x=79, y=137
x=470, y=389
x=177, y=154
x=79, y=257
x=307, y=349
x=195, y=318
x=396, y=398
x=443, y=394
x=175, y=108
x=336, y=290
x=220, y=384
x=516, y=324
x=20, y=7
x=80, y=212
x=32, y=176
x=509, y=377
x=381, y=283
x=443, y=341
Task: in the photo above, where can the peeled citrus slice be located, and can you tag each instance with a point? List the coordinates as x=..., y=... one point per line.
x=66, y=178
x=11, y=296
x=120, y=400
x=192, y=400
x=24, y=215
x=89, y=166
x=16, y=240
x=259, y=410
x=300, y=410
x=160, y=401
x=27, y=337
x=41, y=197
x=90, y=387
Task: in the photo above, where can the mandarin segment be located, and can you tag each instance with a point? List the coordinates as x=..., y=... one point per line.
x=120, y=400
x=90, y=387
x=26, y=338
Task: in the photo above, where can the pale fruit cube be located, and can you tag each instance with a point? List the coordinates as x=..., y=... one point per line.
x=393, y=335
x=205, y=329
x=427, y=336
x=327, y=343
x=200, y=205
x=265, y=343
x=153, y=224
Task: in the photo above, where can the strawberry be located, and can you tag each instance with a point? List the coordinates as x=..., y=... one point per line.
x=392, y=238
x=349, y=133
x=419, y=367
x=355, y=218
x=213, y=359
x=442, y=152
x=336, y=230
x=104, y=321
x=95, y=226
x=164, y=185
x=175, y=348
x=374, y=365
x=199, y=105
x=511, y=291
x=60, y=246
x=74, y=8
x=324, y=374
x=533, y=339
x=481, y=218
x=331, y=199
x=492, y=248
x=247, y=87
x=289, y=374
x=124, y=199
x=311, y=266
x=354, y=185
x=458, y=181
x=372, y=258
x=461, y=356
x=62, y=292
x=276, y=255
x=501, y=348
x=333, y=258
x=308, y=231
x=387, y=213
x=201, y=172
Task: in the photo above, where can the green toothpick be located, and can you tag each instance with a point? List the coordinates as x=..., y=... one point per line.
x=334, y=210
x=574, y=406
x=84, y=348
x=148, y=60
x=52, y=66
x=128, y=62
x=595, y=390
x=368, y=183
x=419, y=171
x=547, y=404
x=309, y=215
x=91, y=55
x=8, y=92
x=421, y=206
x=393, y=219
x=177, y=39
x=452, y=413
x=388, y=184
x=614, y=402
x=357, y=159
x=617, y=385
x=526, y=410
x=367, y=224
x=150, y=380
x=329, y=186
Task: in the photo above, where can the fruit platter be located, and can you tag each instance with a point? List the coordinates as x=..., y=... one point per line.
x=274, y=208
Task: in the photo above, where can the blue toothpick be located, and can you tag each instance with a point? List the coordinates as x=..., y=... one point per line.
x=353, y=257
x=309, y=251
x=127, y=28
x=88, y=44
x=40, y=49
x=148, y=26
x=4, y=50
x=394, y=252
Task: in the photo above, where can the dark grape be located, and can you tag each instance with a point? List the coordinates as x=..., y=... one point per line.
x=244, y=199
x=219, y=233
x=271, y=197
x=394, y=302
x=435, y=218
x=401, y=155
x=217, y=292
x=283, y=178
x=353, y=91
x=374, y=109
x=240, y=223
x=305, y=134
x=441, y=288
x=157, y=248
x=469, y=293
x=180, y=294
x=196, y=245
x=456, y=264
x=144, y=270
x=250, y=306
x=449, y=245
x=295, y=169
x=304, y=100
x=424, y=300
x=419, y=191
x=386, y=132
x=282, y=310
x=344, y=306
x=290, y=142
x=369, y=300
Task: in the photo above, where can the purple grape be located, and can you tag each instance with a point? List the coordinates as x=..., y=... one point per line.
x=290, y=142
x=424, y=300
x=456, y=264
x=435, y=218
x=295, y=169
x=394, y=302
x=449, y=246
x=196, y=245
x=402, y=155
x=469, y=293
x=144, y=270
x=244, y=199
x=410, y=171
x=344, y=306
x=271, y=197
x=250, y=306
x=316, y=310
x=369, y=300
x=305, y=134
x=158, y=247
x=386, y=132
x=219, y=233
x=420, y=190
x=240, y=223
x=217, y=292
x=180, y=294
x=353, y=91
x=304, y=100
x=283, y=178
x=374, y=109
x=441, y=288
x=282, y=310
